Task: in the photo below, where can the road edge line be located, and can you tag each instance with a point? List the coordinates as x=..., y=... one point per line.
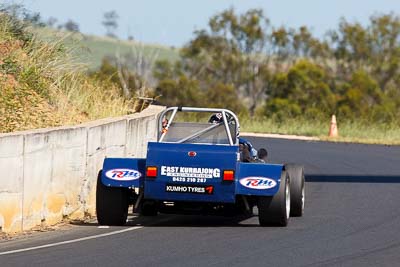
x=70, y=241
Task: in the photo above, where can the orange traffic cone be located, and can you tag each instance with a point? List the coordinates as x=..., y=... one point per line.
x=333, y=130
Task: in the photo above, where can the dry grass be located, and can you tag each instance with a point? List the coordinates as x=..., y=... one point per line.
x=42, y=84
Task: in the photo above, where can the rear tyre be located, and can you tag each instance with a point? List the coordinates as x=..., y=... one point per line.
x=149, y=208
x=275, y=210
x=111, y=204
x=297, y=189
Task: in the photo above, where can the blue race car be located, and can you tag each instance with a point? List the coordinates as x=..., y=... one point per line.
x=197, y=168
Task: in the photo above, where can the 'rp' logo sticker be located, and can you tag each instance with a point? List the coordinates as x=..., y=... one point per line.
x=258, y=182
x=123, y=174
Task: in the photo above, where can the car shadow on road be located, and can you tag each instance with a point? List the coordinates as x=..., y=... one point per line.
x=322, y=178
x=172, y=220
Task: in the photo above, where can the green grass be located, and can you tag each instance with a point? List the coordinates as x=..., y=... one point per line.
x=92, y=49
x=358, y=132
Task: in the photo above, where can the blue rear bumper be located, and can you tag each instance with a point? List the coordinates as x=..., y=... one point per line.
x=193, y=172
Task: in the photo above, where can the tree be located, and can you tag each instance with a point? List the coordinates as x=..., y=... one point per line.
x=71, y=26
x=182, y=91
x=374, y=49
x=18, y=11
x=354, y=70
x=51, y=22
x=120, y=75
x=305, y=45
x=385, y=35
x=34, y=19
x=221, y=95
x=245, y=51
x=110, y=22
x=302, y=91
x=362, y=97
x=140, y=64
x=233, y=51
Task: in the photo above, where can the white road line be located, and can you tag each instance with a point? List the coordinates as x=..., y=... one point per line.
x=71, y=241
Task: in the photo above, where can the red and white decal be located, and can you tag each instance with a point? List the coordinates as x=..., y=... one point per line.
x=123, y=174
x=258, y=182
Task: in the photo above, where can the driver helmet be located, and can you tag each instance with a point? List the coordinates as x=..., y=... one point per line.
x=216, y=118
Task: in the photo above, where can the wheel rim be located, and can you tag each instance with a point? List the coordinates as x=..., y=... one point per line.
x=287, y=189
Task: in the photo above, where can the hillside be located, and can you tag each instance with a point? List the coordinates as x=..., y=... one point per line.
x=43, y=84
x=92, y=49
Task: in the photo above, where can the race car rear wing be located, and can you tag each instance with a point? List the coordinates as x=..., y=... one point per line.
x=229, y=121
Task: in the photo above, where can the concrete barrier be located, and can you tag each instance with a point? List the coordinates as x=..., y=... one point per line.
x=11, y=181
x=49, y=174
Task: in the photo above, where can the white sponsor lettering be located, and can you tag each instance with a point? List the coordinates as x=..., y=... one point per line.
x=190, y=172
x=176, y=188
x=258, y=182
x=123, y=174
x=189, y=189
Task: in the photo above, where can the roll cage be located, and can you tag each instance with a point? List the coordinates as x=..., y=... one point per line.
x=194, y=131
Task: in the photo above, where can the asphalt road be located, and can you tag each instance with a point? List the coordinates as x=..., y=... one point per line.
x=352, y=218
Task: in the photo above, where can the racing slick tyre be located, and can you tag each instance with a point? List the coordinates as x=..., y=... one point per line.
x=297, y=189
x=149, y=208
x=275, y=210
x=111, y=204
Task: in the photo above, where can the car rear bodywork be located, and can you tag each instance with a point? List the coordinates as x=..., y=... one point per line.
x=196, y=167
